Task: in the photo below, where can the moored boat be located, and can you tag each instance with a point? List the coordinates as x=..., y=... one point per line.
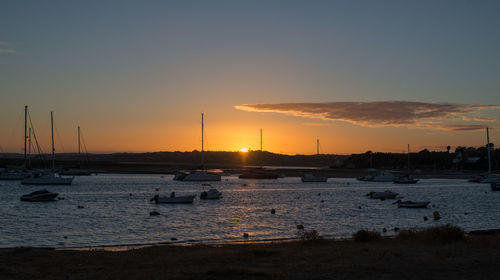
x=42, y=195
x=313, y=178
x=382, y=195
x=411, y=204
x=378, y=176
x=46, y=178
x=11, y=175
x=173, y=199
x=211, y=194
x=405, y=180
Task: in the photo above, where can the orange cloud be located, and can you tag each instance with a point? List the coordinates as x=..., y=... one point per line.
x=382, y=113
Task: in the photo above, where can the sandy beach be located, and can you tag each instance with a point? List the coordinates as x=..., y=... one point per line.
x=475, y=257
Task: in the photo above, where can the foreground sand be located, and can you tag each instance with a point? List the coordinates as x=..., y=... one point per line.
x=476, y=258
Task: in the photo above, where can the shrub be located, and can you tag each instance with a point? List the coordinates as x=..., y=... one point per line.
x=443, y=234
x=309, y=235
x=366, y=235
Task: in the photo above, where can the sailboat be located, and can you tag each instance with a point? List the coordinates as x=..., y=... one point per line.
x=76, y=171
x=50, y=177
x=258, y=172
x=406, y=178
x=198, y=176
x=312, y=178
x=490, y=178
x=18, y=172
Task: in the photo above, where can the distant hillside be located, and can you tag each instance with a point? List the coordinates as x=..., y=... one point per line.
x=193, y=159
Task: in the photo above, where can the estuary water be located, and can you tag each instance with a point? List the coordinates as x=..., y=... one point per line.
x=116, y=210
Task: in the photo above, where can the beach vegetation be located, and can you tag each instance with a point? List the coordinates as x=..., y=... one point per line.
x=440, y=234
x=366, y=235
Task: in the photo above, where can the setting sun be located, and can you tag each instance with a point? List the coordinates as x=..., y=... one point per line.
x=243, y=150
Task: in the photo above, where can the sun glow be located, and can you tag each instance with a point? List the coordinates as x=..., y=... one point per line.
x=243, y=150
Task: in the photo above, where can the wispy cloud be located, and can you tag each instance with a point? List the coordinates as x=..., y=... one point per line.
x=315, y=124
x=5, y=50
x=384, y=113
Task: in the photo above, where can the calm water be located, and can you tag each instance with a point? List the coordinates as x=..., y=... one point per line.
x=117, y=210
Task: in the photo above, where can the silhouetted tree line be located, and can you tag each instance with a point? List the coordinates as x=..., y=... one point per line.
x=464, y=158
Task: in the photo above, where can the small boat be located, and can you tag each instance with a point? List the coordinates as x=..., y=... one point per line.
x=75, y=172
x=405, y=180
x=44, y=178
x=411, y=204
x=313, y=178
x=198, y=176
x=201, y=176
x=378, y=176
x=11, y=175
x=382, y=195
x=172, y=199
x=42, y=195
x=495, y=187
x=211, y=194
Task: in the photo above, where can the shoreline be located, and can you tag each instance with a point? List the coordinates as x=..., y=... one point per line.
x=474, y=257
x=188, y=243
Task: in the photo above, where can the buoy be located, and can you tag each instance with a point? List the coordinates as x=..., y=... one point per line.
x=322, y=201
x=157, y=189
x=396, y=229
x=359, y=207
x=384, y=230
x=154, y=213
x=129, y=194
x=300, y=227
x=425, y=219
x=65, y=237
x=273, y=211
x=245, y=235
x=436, y=215
x=319, y=194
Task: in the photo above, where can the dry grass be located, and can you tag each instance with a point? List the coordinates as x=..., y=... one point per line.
x=439, y=234
x=393, y=258
x=310, y=235
x=366, y=235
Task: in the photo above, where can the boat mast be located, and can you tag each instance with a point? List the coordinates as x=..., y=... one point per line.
x=317, y=146
x=25, y=136
x=202, y=159
x=52, y=136
x=261, y=140
x=408, y=158
x=488, y=148
x=79, y=159
x=29, y=148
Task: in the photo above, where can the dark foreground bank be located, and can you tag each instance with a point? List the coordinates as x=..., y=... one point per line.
x=474, y=257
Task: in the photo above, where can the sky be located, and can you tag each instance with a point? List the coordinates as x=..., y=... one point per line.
x=357, y=75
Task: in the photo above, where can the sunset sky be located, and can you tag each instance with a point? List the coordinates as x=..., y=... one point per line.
x=358, y=75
